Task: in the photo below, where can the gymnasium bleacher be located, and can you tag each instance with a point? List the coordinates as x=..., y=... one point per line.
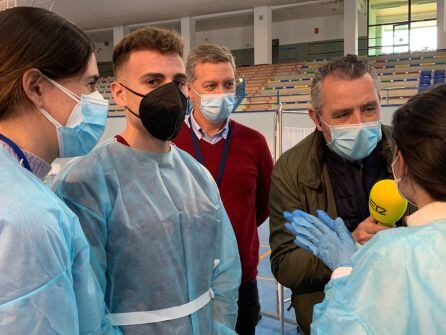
x=401, y=77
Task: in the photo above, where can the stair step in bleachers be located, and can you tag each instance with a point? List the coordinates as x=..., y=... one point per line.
x=413, y=55
x=399, y=84
x=405, y=92
x=410, y=69
x=399, y=77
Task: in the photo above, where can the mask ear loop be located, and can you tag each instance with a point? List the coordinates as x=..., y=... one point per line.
x=393, y=168
x=320, y=121
x=129, y=89
x=135, y=93
x=397, y=180
x=62, y=88
x=65, y=90
x=193, y=89
x=50, y=118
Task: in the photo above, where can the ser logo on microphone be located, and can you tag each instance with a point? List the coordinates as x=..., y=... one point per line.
x=378, y=209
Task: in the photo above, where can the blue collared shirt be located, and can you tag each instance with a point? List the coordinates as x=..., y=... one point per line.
x=201, y=134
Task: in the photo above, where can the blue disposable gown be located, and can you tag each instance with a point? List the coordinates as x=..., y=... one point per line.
x=396, y=287
x=46, y=283
x=156, y=224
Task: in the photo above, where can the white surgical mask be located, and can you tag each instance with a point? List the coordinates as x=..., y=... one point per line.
x=398, y=180
x=85, y=125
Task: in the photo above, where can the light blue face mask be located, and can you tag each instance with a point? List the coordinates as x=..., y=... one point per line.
x=354, y=141
x=217, y=107
x=85, y=126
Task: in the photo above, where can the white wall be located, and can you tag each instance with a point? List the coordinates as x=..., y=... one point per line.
x=288, y=32
x=302, y=31
x=104, y=53
x=232, y=38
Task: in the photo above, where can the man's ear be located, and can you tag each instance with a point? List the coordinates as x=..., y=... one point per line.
x=190, y=92
x=193, y=96
x=315, y=118
x=119, y=94
x=189, y=88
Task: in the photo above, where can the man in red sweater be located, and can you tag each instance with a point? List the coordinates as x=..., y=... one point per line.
x=237, y=157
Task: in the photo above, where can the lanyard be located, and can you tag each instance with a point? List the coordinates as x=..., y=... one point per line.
x=224, y=155
x=22, y=158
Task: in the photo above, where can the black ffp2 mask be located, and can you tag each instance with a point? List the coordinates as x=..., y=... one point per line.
x=162, y=111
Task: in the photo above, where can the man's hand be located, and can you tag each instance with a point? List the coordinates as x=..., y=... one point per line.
x=366, y=230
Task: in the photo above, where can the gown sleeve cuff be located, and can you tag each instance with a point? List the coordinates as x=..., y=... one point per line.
x=341, y=271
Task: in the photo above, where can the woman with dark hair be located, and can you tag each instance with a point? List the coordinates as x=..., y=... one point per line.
x=394, y=284
x=49, y=108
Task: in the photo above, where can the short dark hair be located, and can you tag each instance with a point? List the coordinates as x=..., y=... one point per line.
x=156, y=39
x=419, y=131
x=346, y=67
x=36, y=38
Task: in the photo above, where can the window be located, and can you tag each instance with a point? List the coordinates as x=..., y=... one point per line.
x=400, y=26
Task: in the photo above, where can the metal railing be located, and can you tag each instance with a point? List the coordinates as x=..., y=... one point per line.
x=280, y=297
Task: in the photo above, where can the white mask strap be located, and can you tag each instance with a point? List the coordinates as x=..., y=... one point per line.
x=322, y=120
x=50, y=118
x=65, y=90
x=397, y=180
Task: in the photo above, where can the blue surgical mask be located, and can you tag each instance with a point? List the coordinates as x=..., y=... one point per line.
x=354, y=141
x=85, y=126
x=217, y=107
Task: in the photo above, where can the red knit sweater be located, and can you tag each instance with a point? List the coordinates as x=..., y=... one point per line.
x=244, y=188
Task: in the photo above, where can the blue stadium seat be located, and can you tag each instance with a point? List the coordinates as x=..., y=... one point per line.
x=425, y=81
x=439, y=77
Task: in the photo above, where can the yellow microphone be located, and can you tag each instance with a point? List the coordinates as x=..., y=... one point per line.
x=386, y=204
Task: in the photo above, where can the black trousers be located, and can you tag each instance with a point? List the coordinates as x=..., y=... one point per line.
x=248, y=308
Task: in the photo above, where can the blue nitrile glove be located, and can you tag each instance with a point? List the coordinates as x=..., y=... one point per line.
x=328, y=239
